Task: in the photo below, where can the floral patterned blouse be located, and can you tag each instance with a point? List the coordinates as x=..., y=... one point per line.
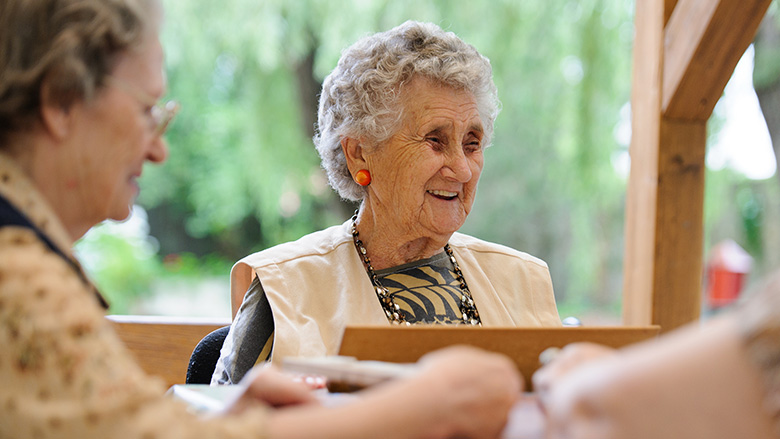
x=64, y=373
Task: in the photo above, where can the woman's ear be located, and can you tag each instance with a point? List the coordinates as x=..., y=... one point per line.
x=354, y=154
x=55, y=116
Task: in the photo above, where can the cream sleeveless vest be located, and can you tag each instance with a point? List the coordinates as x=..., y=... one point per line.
x=317, y=286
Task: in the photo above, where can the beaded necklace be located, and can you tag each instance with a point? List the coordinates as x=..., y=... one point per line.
x=468, y=310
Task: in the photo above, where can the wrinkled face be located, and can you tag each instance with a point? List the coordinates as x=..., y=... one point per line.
x=424, y=178
x=117, y=133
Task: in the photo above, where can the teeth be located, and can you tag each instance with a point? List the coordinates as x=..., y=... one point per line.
x=444, y=193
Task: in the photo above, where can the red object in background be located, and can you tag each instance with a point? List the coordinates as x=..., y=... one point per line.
x=727, y=268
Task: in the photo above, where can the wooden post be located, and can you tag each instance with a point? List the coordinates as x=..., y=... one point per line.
x=639, y=259
x=676, y=297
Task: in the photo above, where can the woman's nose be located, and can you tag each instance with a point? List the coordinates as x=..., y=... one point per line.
x=458, y=166
x=158, y=150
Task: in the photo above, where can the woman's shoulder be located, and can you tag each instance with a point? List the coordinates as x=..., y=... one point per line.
x=480, y=246
x=28, y=266
x=21, y=251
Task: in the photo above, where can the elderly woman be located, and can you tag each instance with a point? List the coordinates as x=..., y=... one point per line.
x=404, y=119
x=79, y=86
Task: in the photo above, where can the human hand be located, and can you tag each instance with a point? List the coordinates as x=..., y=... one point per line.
x=694, y=382
x=567, y=359
x=267, y=385
x=474, y=390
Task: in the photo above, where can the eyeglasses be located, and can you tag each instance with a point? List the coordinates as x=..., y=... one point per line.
x=161, y=113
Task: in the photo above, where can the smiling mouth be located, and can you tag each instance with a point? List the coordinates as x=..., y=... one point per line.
x=444, y=195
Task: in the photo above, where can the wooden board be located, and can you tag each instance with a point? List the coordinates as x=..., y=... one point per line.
x=163, y=345
x=406, y=344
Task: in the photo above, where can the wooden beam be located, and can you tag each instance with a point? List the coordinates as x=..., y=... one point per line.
x=642, y=193
x=679, y=228
x=704, y=41
x=664, y=235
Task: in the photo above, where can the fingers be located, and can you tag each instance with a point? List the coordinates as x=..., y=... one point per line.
x=588, y=402
x=275, y=388
x=267, y=385
x=477, y=389
x=567, y=359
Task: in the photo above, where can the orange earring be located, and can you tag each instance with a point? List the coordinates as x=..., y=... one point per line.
x=363, y=177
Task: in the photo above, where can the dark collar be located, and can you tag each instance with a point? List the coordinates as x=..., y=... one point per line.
x=11, y=216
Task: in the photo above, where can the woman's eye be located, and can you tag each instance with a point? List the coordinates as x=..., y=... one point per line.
x=436, y=143
x=473, y=146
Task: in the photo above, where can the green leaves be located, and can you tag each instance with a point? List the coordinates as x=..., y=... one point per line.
x=247, y=73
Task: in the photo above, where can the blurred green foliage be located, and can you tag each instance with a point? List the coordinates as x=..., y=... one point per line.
x=242, y=145
x=125, y=267
x=243, y=174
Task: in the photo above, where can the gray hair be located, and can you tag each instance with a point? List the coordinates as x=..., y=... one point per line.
x=361, y=96
x=69, y=44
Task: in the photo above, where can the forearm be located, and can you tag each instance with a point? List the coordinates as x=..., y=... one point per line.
x=694, y=383
x=391, y=412
x=457, y=391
